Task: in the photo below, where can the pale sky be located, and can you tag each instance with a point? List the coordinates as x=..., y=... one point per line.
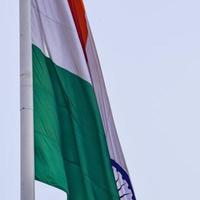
x=150, y=56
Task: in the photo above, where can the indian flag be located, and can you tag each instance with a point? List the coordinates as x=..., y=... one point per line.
x=76, y=144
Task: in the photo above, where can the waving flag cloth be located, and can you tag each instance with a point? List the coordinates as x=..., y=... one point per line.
x=76, y=145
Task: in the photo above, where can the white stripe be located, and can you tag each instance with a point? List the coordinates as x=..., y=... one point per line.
x=114, y=146
x=103, y=102
x=54, y=32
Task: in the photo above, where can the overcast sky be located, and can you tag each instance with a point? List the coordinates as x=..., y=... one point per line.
x=150, y=56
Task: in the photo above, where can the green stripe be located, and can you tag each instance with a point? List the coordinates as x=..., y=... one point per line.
x=71, y=152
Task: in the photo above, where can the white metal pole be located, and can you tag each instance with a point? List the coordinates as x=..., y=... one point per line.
x=26, y=103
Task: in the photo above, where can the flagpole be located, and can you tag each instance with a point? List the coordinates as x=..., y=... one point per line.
x=26, y=103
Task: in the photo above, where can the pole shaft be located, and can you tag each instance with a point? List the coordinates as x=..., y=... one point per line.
x=26, y=103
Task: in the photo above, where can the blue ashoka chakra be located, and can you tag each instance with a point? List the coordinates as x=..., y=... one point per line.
x=123, y=182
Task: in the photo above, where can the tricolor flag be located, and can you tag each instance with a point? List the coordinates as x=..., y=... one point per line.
x=76, y=144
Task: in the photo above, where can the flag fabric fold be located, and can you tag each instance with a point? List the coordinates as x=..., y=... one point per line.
x=76, y=145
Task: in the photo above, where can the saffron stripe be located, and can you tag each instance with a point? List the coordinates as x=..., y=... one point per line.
x=79, y=16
